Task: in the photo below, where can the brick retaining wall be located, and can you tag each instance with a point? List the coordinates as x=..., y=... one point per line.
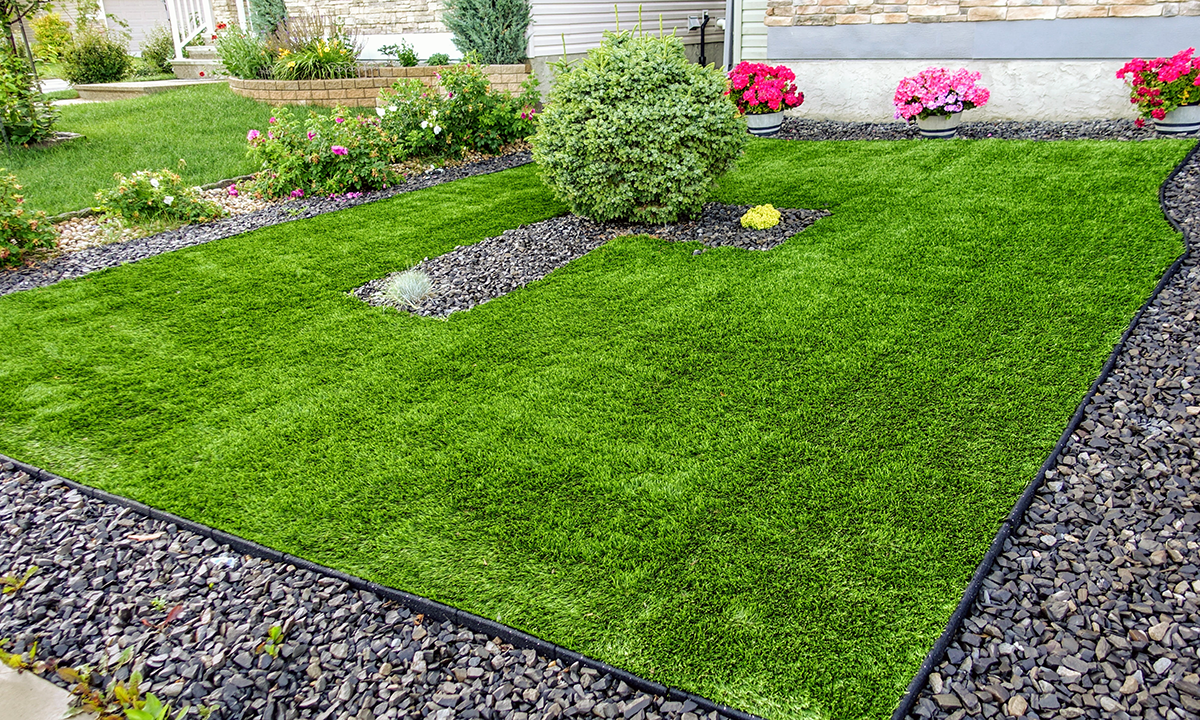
x=361, y=91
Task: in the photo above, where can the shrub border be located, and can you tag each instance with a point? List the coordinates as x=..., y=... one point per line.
x=430, y=608
x=1010, y=523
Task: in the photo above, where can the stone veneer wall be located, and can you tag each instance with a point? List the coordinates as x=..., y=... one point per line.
x=363, y=90
x=785, y=13
x=363, y=17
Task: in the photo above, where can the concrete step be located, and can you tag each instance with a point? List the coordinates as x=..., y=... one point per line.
x=191, y=69
x=202, y=52
x=126, y=90
x=29, y=697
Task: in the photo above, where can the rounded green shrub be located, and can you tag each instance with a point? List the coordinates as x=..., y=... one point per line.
x=635, y=131
x=761, y=217
x=94, y=57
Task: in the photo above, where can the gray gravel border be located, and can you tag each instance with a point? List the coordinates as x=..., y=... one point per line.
x=78, y=264
x=803, y=129
x=470, y=275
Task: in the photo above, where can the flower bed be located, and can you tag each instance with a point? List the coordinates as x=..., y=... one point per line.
x=361, y=91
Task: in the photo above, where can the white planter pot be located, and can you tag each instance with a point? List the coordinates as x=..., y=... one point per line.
x=940, y=126
x=764, y=124
x=1181, y=120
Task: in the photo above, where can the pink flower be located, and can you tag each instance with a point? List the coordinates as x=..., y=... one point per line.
x=233, y=191
x=252, y=135
x=271, y=121
x=311, y=135
x=338, y=150
x=1158, y=113
x=297, y=193
x=1140, y=122
x=339, y=120
x=270, y=135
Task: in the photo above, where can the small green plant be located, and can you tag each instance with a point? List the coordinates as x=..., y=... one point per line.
x=12, y=583
x=493, y=28
x=158, y=49
x=21, y=231
x=24, y=661
x=409, y=288
x=273, y=642
x=26, y=114
x=161, y=195
x=95, y=57
x=159, y=604
x=438, y=59
x=404, y=53
x=244, y=55
x=635, y=131
x=52, y=35
x=120, y=700
x=761, y=217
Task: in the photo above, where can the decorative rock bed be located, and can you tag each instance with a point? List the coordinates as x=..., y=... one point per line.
x=473, y=274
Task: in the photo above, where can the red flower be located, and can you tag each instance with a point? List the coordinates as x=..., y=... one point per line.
x=1158, y=113
x=201, y=73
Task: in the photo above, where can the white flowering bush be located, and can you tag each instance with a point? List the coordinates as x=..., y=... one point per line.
x=636, y=131
x=148, y=195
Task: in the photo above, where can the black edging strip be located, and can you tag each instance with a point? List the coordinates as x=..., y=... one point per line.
x=1014, y=518
x=430, y=608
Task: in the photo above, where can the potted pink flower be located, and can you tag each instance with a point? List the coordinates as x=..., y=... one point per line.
x=936, y=98
x=762, y=93
x=1166, y=91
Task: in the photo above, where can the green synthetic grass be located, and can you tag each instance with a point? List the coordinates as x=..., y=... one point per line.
x=765, y=477
x=204, y=125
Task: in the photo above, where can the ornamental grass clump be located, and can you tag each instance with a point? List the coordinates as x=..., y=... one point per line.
x=1161, y=85
x=635, y=131
x=21, y=230
x=761, y=217
x=938, y=91
x=156, y=196
x=409, y=288
x=321, y=155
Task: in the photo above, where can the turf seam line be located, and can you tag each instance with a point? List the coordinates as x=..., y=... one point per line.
x=1014, y=518
x=430, y=608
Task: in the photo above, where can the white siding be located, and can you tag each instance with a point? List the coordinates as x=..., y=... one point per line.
x=751, y=32
x=582, y=23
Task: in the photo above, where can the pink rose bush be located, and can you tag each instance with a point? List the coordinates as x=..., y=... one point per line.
x=937, y=91
x=1160, y=85
x=757, y=88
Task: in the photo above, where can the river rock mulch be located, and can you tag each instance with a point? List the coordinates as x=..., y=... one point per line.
x=471, y=275
x=91, y=259
x=1093, y=608
x=803, y=129
x=108, y=577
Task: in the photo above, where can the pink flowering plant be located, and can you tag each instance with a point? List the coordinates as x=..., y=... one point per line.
x=458, y=113
x=321, y=155
x=21, y=229
x=938, y=91
x=1160, y=85
x=757, y=88
x=155, y=199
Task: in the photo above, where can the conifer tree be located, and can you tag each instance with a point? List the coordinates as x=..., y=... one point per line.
x=493, y=28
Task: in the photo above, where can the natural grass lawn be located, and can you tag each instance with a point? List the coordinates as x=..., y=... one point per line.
x=761, y=476
x=204, y=125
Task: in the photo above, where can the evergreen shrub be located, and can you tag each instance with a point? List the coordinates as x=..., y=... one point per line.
x=635, y=131
x=493, y=28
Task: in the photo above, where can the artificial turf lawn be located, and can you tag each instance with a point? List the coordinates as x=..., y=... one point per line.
x=761, y=476
x=205, y=126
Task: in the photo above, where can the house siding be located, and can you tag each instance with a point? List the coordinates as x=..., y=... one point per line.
x=582, y=24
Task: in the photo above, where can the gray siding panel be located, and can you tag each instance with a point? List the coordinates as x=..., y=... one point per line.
x=583, y=23
x=1087, y=38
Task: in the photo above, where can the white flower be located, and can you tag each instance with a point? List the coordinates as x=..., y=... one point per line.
x=169, y=199
x=391, y=108
x=424, y=124
x=436, y=129
x=434, y=113
x=154, y=182
x=379, y=112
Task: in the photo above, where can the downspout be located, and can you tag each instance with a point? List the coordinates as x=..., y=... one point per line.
x=730, y=10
